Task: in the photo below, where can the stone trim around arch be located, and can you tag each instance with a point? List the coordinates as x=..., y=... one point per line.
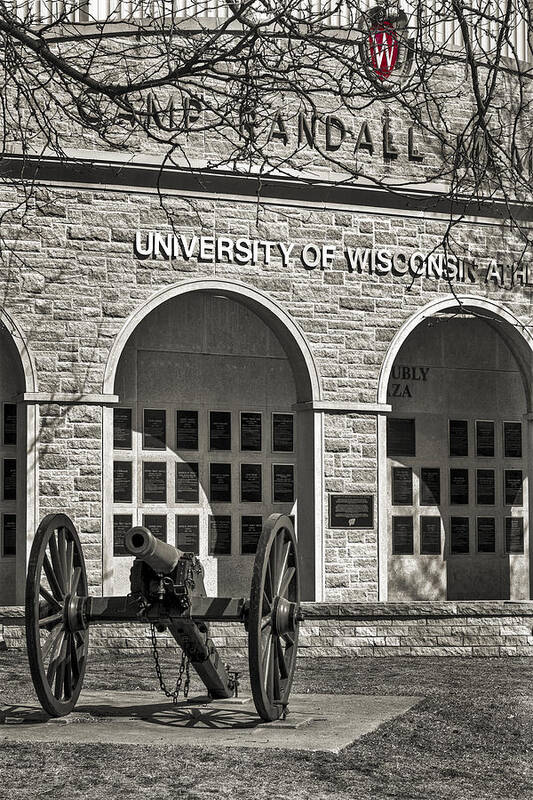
x=291, y=336
x=517, y=337
x=308, y=386
x=11, y=327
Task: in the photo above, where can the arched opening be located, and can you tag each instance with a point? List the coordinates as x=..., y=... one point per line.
x=454, y=485
x=206, y=441
x=14, y=361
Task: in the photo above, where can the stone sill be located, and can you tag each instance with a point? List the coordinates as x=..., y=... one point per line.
x=14, y=615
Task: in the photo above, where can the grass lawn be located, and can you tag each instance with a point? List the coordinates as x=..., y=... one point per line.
x=470, y=738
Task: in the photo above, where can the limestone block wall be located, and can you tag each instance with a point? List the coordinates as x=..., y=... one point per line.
x=346, y=629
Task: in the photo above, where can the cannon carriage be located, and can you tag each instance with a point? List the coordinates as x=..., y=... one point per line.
x=167, y=592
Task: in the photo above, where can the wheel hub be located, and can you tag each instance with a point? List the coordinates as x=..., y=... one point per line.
x=75, y=613
x=285, y=616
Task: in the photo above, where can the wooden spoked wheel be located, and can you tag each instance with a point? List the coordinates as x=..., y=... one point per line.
x=56, y=630
x=274, y=617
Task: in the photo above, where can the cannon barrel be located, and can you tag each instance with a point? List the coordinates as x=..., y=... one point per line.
x=160, y=556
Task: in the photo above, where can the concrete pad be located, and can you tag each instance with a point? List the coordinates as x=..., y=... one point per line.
x=316, y=722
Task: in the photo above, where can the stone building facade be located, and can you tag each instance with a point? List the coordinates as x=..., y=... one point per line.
x=329, y=360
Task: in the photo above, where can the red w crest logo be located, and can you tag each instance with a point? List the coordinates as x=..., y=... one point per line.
x=383, y=43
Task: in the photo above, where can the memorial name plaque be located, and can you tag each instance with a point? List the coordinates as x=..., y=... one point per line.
x=514, y=495
x=485, y=487
x=154, y=429
x=514, y=535
x=187, y=486
x=282, y=483
x=9, y=535
x=458, y=487
x=122, y=436
x=122, y=482
x=459, y=535
x=430, y=486
x=10, y=478
x=220, y=535
x=401, y=437
x=10, y=423
x=351, y=511
x=402, y=486
x=251, y=528
x=220, y=483
x=219, y=430
x=251, y=439
x=121, y=525
x=486, y=535
x=156, y=524
x=430, y=536
x=187, y=430
x=402, y=536
x=512, y=439
x=484, y=439
x=458, y=437
x=282, y=433
x=251, y=483
x=154, y=482
x=188, y=533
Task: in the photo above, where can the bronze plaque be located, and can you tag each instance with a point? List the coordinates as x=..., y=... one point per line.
x=458, y=437
x=188, y=533
x=282, y=433
x=282, y=483
x=10, y=423
x=187, y=430
x=187, y=488
x=401, y=439
x=458, y=487
x=514, y=495
x=219, y=430
x=157, y=525
x=402, y=536
x=220, y=535
x=122, y=436
x=122, y=482
x=9, y=535
x=430, y=536
x=485, y=438
x=351, y=511
x=402, y=486
x=220, y=483
x=514, y=535
x=121, y=525
x=154, y=482
x=430, y=486
x=251, y=483
x=459, y=535
x=512, y=439
x=251, y=528
x=10, y=478
x=154, y=429
x=485, y=487
x=251, y=437
x=486, y=535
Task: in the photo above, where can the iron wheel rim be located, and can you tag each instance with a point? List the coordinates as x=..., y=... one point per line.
x=57, y=655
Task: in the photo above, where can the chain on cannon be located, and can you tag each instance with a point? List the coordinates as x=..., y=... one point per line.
x=167, y=592
x=184, y=668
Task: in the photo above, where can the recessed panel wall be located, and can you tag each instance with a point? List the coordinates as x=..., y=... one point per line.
x=458, y=516
x=205, y=440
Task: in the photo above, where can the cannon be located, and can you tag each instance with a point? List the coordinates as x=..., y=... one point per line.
x=167, y=592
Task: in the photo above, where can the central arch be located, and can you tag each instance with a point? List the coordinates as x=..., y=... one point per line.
x=183, y=321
